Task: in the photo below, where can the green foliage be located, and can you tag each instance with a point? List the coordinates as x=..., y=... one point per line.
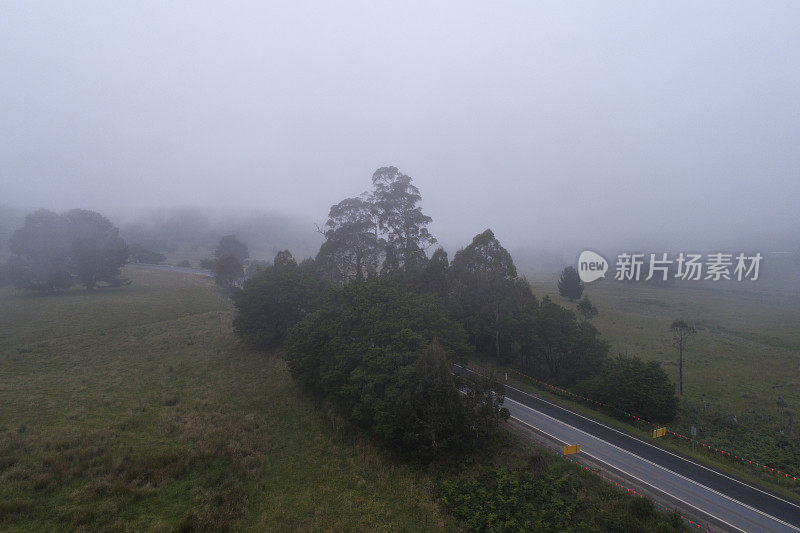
x=568, y=350
x=98, y=252
x=434, y=276
x=400, y=219
x=273, y=300
x=632, y=385
x=502, y=500
x=554, y=498
x=53, y=251
x=284, y=259
x=140, y=254
x=230, y=245
x=370, y=351
x=352, y=248
x=228, y=271
x=586, y=309
x=384, y=228
x=570, y=284
x=485, y=294
x=255, y=266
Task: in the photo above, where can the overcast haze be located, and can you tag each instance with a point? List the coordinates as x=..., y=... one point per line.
x=588, y=124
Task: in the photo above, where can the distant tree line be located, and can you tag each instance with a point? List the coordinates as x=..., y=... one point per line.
x=371, y=325
x=166, y=230
x=53, y=252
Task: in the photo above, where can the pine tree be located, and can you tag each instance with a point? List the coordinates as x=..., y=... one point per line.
x=570, y=284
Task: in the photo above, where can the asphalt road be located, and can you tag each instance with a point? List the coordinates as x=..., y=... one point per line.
x=172, y=268
x=734, y=503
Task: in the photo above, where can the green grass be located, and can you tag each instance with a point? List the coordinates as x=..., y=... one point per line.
x=137, y=409
x=746, y=353
x=744, y=357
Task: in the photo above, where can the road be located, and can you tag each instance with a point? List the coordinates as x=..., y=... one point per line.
x=172, y=268
x=724, y=500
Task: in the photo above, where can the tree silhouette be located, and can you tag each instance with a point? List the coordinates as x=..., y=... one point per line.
x=681, y=331
x=570, y=284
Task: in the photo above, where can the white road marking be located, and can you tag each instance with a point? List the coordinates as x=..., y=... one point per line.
x=651, y=463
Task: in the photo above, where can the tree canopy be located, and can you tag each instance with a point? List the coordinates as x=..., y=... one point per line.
x=485, y=294
x=381, y=354
x=54, y=251
x=228, y=271
x=383, y=231
x=570, y=284
x=631, y=385
x=230, y=245
x=273, y=300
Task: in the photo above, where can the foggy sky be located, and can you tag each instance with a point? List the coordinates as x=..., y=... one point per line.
x=586, y=124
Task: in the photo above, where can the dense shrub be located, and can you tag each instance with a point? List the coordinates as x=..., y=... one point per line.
x=561, y=347
x=140, y=254
x=381, y=355
x=501, y=500
x=273, y=300
x=555, y=498
x=632, y=385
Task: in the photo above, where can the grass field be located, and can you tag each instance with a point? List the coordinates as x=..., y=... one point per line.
x=136, y=409
x=743, y=361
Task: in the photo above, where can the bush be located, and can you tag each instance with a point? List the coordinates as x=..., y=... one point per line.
x=185, y=264
x=274, y=300
x=632, y=385
x=381, y=355
x=554, y=498
x=500, y=500
x=139, y=254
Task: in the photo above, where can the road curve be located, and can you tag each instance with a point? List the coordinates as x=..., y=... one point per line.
x=724, y=499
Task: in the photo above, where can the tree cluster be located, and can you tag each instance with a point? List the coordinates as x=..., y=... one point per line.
x=377, y=338
x=382, y=355
x=383, y=231
x=274, y=299
x=230, y=261
x=53, y=252
x=139, y=254
x=631, y=385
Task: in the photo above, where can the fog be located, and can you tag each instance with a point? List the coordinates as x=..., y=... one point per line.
x=559, y=125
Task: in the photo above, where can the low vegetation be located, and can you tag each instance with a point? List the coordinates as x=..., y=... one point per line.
x=741, y=380
x=141, y=411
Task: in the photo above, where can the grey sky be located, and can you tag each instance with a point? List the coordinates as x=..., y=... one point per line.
x=558, y=123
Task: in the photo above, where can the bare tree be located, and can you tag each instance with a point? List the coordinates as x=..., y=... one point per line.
x=681, y=331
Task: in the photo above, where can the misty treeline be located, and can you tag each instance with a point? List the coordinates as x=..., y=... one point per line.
x=166, y=230
x=372, y=324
